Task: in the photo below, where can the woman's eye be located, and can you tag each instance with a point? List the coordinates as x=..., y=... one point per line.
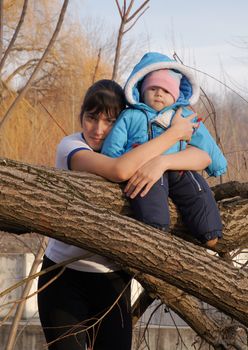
x=111, y=121
x=91, y=116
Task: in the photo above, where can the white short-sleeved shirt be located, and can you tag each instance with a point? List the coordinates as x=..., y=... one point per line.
x=58, y=251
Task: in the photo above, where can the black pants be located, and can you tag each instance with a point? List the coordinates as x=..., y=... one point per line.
x=192, y=196
x=76, y=300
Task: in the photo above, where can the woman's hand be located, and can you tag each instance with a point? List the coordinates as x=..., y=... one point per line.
x=145, y=177
x=183, y=127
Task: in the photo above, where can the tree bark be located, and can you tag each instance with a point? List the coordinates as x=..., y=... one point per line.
x=231, y=197
x=59, y=204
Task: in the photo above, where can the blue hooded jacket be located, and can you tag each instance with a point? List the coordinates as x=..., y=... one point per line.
x=139, y=123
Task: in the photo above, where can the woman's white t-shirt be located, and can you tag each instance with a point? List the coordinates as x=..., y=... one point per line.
x=58, y=251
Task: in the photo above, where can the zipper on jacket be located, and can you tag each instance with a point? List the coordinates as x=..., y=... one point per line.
x=150, y=135
x=195, y=181
x=160, y=125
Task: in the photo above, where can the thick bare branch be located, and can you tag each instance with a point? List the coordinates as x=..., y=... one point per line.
x=230, y=189
x=48, y=201
x=233, y=209
x=124, y=20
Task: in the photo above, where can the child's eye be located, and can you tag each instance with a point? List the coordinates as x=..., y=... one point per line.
x=153, y=88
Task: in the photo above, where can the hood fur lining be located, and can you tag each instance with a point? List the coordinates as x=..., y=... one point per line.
x=162, y=65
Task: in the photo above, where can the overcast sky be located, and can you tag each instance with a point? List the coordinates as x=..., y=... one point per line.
x=207, y=34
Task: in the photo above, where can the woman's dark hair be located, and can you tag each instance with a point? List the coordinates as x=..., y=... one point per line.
x=104, y=96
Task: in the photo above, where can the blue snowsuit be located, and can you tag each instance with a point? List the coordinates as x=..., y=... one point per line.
x=188, y=190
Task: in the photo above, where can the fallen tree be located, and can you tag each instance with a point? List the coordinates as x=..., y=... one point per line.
x=87, y=211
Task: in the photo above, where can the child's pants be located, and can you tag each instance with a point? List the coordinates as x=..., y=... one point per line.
x=193, y=198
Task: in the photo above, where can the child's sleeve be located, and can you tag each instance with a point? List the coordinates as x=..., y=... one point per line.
x=116, y=141
x=203, y=140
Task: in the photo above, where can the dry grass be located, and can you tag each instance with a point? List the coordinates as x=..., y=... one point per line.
x=29, y=135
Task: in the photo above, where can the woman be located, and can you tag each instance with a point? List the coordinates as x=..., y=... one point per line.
x=74, y=308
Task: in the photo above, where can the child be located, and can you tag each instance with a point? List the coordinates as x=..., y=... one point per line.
x=156, y=88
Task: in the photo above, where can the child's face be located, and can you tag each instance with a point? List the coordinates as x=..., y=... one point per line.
x=158, y=98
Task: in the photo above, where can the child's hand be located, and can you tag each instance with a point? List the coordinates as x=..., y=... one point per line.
x=145, y=177
x=184, y=127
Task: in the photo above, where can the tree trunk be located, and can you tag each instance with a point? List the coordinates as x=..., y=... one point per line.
x=57, y=204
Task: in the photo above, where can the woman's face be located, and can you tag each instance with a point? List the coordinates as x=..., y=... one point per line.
x=95, y=128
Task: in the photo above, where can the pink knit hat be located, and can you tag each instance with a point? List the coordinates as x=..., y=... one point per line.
x=165, y=79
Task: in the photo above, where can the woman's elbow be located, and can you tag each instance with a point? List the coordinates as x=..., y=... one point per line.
x=205, y=161
x=120, y=173
x=208, y=159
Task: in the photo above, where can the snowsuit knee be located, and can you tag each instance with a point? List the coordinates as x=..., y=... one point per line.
x=193, y=198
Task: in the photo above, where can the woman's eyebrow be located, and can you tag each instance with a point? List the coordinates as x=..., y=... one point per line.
x=92, y=114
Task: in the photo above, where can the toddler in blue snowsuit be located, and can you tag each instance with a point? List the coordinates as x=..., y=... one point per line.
x=156, y=88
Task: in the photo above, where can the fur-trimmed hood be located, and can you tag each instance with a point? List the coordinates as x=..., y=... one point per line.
x=189, y=88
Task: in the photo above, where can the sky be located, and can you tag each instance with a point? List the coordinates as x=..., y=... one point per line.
x=210, y=35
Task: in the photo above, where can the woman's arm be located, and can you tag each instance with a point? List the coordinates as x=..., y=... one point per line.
x=189, y=159
x=192, y=158
x=122, y=168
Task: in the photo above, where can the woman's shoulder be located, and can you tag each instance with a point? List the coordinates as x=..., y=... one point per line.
x=72, y=140
x=77, y=136
x=67, y=147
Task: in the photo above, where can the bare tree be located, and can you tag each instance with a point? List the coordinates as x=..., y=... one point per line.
x=12, y=41
x=126, y=18
x=37, y=68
